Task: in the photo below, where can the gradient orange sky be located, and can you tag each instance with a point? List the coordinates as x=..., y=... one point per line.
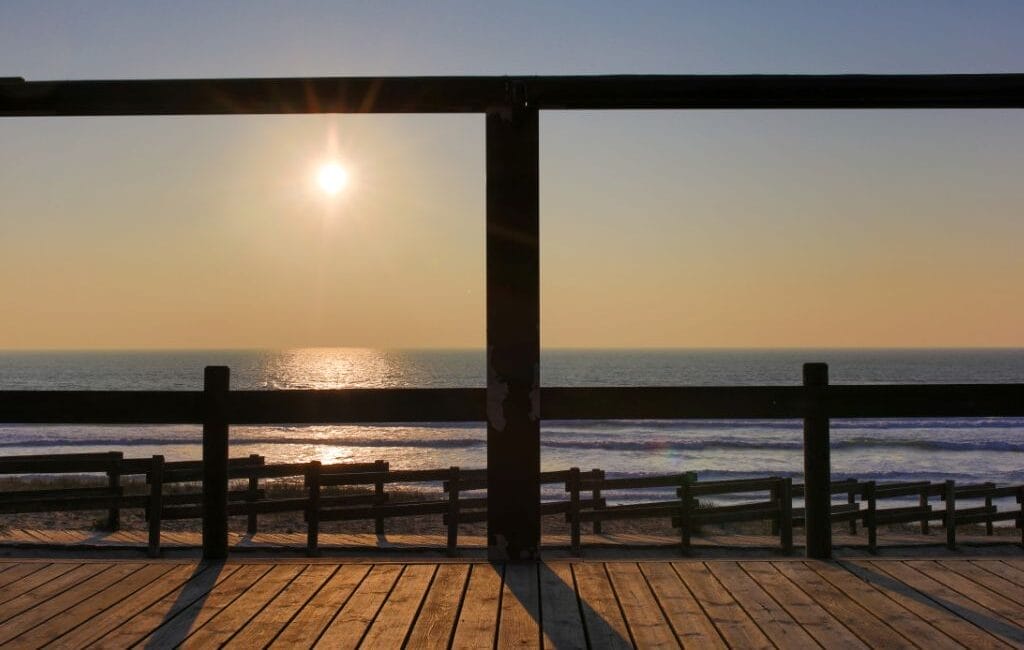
x=659, y=229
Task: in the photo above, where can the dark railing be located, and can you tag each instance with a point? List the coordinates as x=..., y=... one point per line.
x=217, y=408
x=511, y=107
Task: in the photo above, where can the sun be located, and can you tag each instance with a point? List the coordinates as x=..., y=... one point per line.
x=332, y=178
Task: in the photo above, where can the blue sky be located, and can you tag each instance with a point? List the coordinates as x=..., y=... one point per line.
x=715, y=228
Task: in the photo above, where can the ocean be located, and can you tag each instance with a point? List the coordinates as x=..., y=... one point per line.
x=966, y=450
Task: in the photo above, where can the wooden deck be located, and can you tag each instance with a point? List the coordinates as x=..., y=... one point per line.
x=475, y=545
x=790, y=603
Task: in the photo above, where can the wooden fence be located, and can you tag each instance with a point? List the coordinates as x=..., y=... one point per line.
x=765, y=499
x=217, y=407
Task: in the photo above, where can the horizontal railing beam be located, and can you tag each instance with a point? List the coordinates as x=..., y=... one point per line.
x=100, y=407
x=479, y=94
x=390, y=405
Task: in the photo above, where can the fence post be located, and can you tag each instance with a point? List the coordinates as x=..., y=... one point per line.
x=851, y=499
x=922, y=503
x=574, y=509
x=378, y=491
x=596, y=496
x=254, y=486
x=869, y=516
x=156, y=506
x=1020, y=517
x=215, y=462
x=949, y=490
x=785, y=493
x=453, y=510
x=989, y=528
x=817, y=464
x=313, y=509
x=684, y=516
x=775, y=497
x=114, y=483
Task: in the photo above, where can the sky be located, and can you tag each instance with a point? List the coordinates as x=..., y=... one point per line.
x=658, y=229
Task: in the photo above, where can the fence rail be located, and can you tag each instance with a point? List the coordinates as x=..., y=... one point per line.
x=585, y=501
x=217, y=407
x=469, y=404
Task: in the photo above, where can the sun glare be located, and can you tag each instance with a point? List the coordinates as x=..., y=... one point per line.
x=332, y=178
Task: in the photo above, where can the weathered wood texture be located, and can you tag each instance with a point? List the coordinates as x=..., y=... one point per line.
x=947, y=603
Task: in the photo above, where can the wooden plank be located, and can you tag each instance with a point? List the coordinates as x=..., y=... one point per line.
x=34, y=580
x=478, y=618
x=974, y=629
x=469, y=405
x=1011, y=612
x=1003, y=569
x=19, y=97
x=870, y=629
x=560, y=608
x=606, y=628
x=348, y=627
x=101, y=624
x=773, y=619
x=998, y=584
x=15, y=573
x=887, y=609
x=303, y=630
x=434, y=626
x=85, y=611
x=519, y=620
x=262, y=629
x=396, y=616
x=50, y=590
x=689, y=622
x=728, y=617
x=173, y=630
x=647, y=625
x=243, y=609
x=65, y=600
x=816, y=621
x=203, y=579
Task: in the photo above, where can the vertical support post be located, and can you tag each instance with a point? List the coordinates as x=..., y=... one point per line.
x=685, y=518
x=216, y=381
x=949, y=490
x=574, y=509
x=922, y=503
x=114, y=483
x=254, y=486
x=989, y=528
x=381, y=467
x=513, y=330
x=313, y=509
x=453, y=511
x=156, y=506
x=817, y=464
x=851, y=499
x=773, y=496
x=1020, y=517
x=870, y=522
x=785, y=496
x=596, y=496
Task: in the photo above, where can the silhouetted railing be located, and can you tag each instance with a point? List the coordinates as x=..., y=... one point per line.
x=217, y=407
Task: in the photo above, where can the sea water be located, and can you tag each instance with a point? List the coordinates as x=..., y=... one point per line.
x=963, y=449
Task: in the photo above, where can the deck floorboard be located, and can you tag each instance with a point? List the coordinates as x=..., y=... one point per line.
x=950, y=602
